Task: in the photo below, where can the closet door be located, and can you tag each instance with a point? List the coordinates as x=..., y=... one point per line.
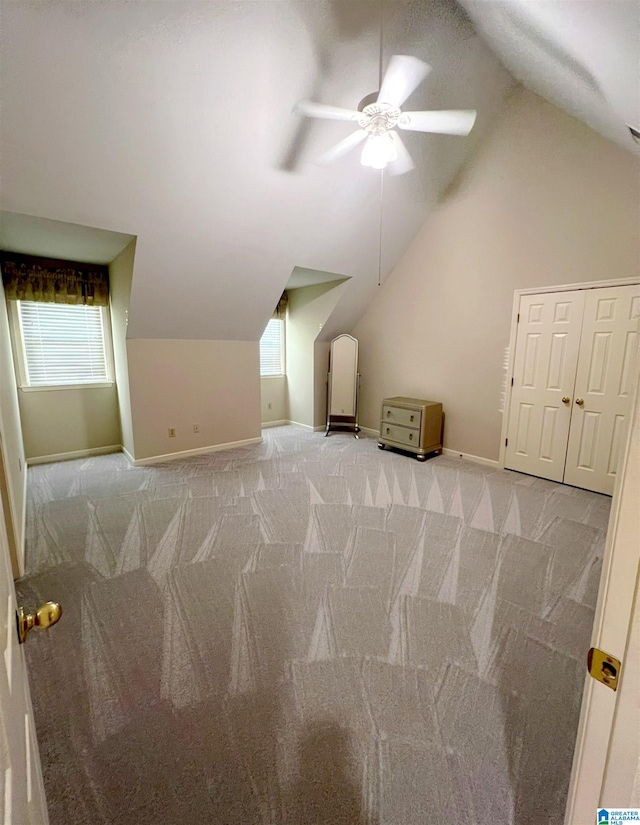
x=604, y=381
x=546, y=357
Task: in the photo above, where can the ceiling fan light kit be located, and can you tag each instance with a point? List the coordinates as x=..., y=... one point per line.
x=380, y=114
x=378, y=151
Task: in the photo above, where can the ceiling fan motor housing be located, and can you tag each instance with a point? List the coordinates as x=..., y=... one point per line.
x=378, y=118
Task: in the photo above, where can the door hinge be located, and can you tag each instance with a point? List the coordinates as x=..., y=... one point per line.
x=603, y=667
x=512, y=382
x=506, y=442
x=518, y=321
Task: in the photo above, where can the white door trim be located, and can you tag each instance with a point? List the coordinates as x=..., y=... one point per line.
x=518, y=293
x=610, y=633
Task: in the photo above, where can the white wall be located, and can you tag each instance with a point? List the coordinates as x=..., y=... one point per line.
x=120, y=278
x=69, y=420
x=308, y=309
x=320, y=372
x=13, y=474
x=273, y=398
x=545, y=201
x=214, y=384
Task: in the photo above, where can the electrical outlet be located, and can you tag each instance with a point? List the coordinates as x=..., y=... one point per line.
x=196, y=428
x=172, y=432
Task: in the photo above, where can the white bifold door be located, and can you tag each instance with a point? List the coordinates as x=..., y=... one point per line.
x=574, y=367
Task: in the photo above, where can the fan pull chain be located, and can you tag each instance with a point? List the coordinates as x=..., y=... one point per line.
x=381, y=41
x=382, y=170
x=380, y=229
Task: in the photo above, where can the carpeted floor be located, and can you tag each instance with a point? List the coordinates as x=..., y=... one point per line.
x=308, y=631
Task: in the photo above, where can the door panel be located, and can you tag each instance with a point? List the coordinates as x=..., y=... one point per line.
x=21, y=788
x=608, y=349
x=546, y=357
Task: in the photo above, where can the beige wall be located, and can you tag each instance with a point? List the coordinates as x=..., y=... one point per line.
x=13, y=471
x=273, y=398
x=545, y=201
x=308, y=309
x=321, y=368
x=120, y=277
x=176, y=383
x=68, y=421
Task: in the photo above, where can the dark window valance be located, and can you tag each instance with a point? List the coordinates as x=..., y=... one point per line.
x=281, y=309
x=47, y=280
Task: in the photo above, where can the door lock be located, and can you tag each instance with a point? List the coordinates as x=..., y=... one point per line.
x=45, y=616
x=604, y=667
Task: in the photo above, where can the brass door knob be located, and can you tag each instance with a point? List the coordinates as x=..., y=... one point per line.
x=566, y=399
x=579, y=401
x=45, y=616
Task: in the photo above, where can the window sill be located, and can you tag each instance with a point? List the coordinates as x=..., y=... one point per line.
x=57, y=387
x=279, y=375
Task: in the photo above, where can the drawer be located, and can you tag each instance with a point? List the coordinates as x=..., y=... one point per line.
x=396, y=415
x=403, y=435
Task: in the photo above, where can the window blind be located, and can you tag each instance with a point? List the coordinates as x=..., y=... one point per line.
x=63, y=344
x=272, y=349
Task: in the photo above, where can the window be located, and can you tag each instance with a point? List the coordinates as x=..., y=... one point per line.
x=62, y=344
x=272, y=348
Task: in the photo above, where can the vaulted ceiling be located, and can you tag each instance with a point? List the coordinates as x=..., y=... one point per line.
x=581, y=55
x=172, y=121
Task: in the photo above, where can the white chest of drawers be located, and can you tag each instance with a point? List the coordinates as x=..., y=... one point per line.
x=411, y=424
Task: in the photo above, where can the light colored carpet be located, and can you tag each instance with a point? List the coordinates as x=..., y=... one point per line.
x=308, y=632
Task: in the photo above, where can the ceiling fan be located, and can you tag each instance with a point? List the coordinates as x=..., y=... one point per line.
x=379, y=114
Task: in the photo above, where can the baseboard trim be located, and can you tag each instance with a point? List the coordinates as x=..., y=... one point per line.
x=285, y=422
x=304, y=426
x=371, y=432
x=215, y=448
x=128, y=455
x=477, y=459
x=49, y=459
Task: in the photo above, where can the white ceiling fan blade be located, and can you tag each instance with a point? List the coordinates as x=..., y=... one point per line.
x=403, y=162
x=453, y=122
x=403, y=75
x=341, y=148
x=323, y=110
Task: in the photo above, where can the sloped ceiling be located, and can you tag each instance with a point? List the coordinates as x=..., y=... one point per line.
x=55, y=239
x=581, y=55
x=172, y=122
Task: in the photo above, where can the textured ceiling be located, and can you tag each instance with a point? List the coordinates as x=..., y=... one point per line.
x=172, y=122
x=582, y=55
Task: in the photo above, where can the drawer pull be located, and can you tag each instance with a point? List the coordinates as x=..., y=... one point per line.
x=411, y=418
x=387, y=431
x=388, y=413
x=410, y=436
